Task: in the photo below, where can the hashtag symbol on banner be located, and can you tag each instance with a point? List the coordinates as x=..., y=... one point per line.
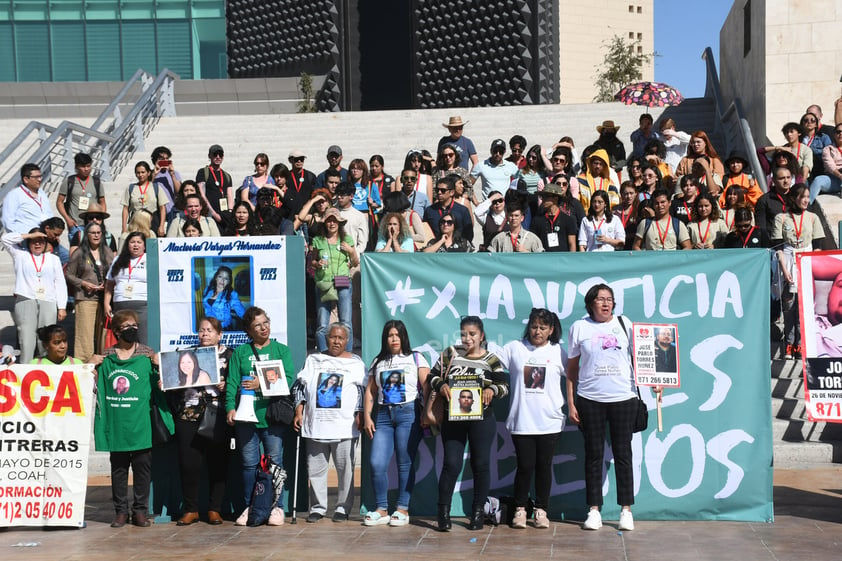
x=402, y=295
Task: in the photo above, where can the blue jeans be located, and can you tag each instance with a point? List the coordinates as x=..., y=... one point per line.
x=249, y=438
x=323, y=310
x=824, y=184
x=397, y=430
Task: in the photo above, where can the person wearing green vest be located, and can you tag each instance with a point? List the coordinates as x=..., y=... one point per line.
x=126, y=378
x=249, y=434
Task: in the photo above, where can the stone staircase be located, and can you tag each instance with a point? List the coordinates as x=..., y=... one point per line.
x=798, y=441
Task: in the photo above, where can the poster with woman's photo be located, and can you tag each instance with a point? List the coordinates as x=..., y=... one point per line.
x=655, y=352
x=534, y=377
x=329, y=391
x=189, y=368
x=820, y=307
x=223, y=290
x=393, y=386
x=272, y=378
x=465, y=397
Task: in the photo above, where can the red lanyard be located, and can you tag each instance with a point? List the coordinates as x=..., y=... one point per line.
x=133, y=266
x=28, y=194
x=798, y=153
x=143, y=191
x=441, y=211
x=798, y=227
x=553, y=219
x=379, y=186
x=299, y=183
x=513, y=239
x=726, y=217
x=745, y=240
x=599, y=226
x=734, y=181
x=687, y=209
x=782, y=202
x=707, y=231
x=662, y=236
x=83, y=185
x=624, y=218
x=220, y=181
x=810, y=140
x=37, y=268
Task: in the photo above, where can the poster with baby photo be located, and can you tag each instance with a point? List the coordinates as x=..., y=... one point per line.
x=189, y=368
x=272, y=379
x=819, y=293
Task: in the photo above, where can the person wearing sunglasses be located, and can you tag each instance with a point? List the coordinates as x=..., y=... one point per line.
x=449, y=239
x=301, y=182
x=496, y=173
x=455, y=126
x=254, y=182
x=816, y=140
x=556, y=229
x=491, y=215
x=831, y=181
x=334, y=163
x=26, y=206
x=216, y=186
x=418, y=199
x=745, y=233
x=445, y=203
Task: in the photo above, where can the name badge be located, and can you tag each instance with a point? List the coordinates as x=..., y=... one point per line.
x=84, y=203
x=223, y=205
x=40, y=292
x=552, y=239
x=128, y=290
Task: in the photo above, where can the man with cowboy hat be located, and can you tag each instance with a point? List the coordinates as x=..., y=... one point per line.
x=463, y=143
x=609, y=142
x=95, y=213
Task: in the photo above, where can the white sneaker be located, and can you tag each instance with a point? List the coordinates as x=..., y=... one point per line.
x=243, y=518
x=626, y=521
x=276, y=517
x=541, y=519
x=519, y=520
x=594, y=520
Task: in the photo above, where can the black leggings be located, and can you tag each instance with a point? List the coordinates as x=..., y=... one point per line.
x=479, y=435
x=192, y=449
x=534, y=455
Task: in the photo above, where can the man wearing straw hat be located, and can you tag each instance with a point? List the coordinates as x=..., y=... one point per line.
x=463, y=143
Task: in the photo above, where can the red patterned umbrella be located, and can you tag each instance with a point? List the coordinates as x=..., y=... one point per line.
x=649, y=94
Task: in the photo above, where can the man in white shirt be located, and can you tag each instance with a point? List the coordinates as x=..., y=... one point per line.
x=26, y=206
x=496, y=173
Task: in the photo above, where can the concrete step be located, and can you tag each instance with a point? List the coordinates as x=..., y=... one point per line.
x=798, y=454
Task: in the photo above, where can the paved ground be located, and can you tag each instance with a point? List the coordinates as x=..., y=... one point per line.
x=808, y=522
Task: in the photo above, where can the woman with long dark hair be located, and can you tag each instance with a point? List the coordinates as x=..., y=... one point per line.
x=600, y=232
x=220, y=300
x=395, y=376
x=470, y=357
x=536, y=372
x=125, y=287
x=700, y=145
x=146, y=194
x=86, y=272
x=415, y=161
x=535, y=172
x=242, y=221
x=626, y=211
x=189, y=371
x=706, y=229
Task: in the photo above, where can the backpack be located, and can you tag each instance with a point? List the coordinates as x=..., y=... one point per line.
x=155, y=184
x=71, y=181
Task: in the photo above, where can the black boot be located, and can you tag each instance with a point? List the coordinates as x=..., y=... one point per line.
x=477, y=519
x=444, y=518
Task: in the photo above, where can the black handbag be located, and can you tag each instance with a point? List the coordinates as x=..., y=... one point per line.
x=208, y=421
x=641, y=419
x=280, y=410
x=160, y=432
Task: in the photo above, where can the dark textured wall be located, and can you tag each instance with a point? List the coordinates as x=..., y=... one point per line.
x=389, y=54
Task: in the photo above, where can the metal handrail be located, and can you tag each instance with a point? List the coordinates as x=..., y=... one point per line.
x=111, y=140
x=731, y=122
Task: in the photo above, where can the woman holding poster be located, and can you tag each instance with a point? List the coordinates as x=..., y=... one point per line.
x=250, y=435
x=470, y=359
x=125, y=287
x=600, y=391
x=394, y=378
x=188, y=406
x=536, y=372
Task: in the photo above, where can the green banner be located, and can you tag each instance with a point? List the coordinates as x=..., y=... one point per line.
x=713, y=461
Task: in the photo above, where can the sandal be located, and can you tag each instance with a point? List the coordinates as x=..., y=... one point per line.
x=399, y=519
x=375, y=518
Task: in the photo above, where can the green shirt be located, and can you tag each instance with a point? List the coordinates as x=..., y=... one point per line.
x=124, y=392
x=339, y=263
x=242, y=364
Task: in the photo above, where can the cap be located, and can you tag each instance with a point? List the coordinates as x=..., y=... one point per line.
x=498, y=144
x=334, y=149
x=215, y=148
x=297, y=154
x=333, y=213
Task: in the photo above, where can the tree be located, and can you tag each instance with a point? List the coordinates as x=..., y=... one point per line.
x=622, y=65
x=305, y=89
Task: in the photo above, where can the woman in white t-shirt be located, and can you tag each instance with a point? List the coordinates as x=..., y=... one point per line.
x=125, y=286
x=599, y=231
x=536, y=372
x=395, y=377
x=600, y=391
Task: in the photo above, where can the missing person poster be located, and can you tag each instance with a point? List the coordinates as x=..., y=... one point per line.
x=45, y=415
x=465, y=397
x=189, y=368
x=220, y=278
x=820, y=306
x=655, y=352
x=272, y=378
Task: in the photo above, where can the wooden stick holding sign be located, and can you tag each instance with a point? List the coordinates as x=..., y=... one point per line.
x=656, y=359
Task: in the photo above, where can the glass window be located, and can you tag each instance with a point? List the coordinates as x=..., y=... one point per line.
x=33, y=58
x=175, y=48
x=103, y=40
x=7, y=53
x=68, y=42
